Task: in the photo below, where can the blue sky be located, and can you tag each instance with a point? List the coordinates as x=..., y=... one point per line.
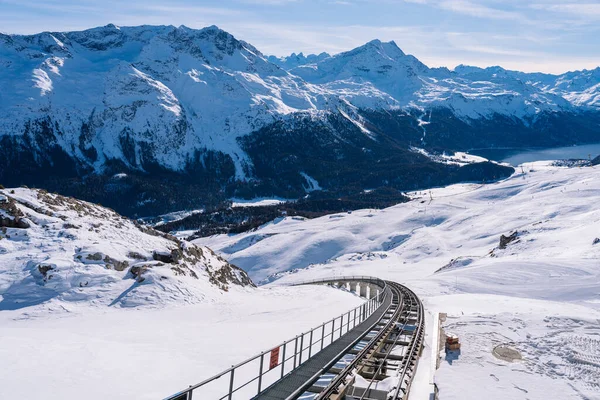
x=538, y=35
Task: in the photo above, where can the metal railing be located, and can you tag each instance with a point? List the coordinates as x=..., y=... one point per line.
x=248, y=378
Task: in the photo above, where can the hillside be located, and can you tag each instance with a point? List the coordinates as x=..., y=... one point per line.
x=535, y=290
x=57, y=252
x=513, y=263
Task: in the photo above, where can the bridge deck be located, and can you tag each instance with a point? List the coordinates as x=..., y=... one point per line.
x=298, y=377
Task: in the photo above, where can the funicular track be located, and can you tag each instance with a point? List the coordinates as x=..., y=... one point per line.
x=382, y=363
x=375, y=358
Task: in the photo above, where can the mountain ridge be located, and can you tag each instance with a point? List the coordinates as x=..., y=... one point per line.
x=201, y=108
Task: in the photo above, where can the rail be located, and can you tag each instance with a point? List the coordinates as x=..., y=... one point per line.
x=416, y=346
x=332, y=387
x=407, y=313
x=248, y=378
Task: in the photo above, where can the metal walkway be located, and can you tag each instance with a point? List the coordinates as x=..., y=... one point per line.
x=322, y=361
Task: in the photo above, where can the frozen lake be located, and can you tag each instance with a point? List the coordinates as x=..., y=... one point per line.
x=519, y=156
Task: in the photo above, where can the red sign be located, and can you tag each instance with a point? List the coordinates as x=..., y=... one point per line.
x=274, y=358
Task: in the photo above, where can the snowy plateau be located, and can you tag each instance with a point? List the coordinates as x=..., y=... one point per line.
x=122, y=109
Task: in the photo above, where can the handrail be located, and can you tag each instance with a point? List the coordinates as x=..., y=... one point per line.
x=361, y=313
x=364, y=278
x=348, y=367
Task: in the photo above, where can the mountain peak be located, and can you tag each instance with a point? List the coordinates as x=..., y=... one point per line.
x=212, y=28
x=385, y=49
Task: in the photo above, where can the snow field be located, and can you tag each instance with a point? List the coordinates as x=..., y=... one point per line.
x=540, y=295
x=152, y=353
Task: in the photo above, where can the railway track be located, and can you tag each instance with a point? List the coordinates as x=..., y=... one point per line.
x=382, y=363
x=374, y=358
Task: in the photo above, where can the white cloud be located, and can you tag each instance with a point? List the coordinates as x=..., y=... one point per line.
x=480, y=11
x=582, y=10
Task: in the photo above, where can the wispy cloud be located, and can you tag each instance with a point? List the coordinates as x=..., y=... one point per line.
x=588, y=11
x=479, y=10
x=268, y=2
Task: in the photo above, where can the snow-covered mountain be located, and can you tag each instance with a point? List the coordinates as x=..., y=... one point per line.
x=580, y=88
x=57, y=251
x=218, y=114
x=296, y=60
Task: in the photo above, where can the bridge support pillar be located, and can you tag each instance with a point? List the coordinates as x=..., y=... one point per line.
x=363, y=290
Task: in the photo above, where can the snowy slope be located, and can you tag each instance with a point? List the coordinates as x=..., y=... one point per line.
x=295, y=60
x=149, y=354
x=56, y=251
x=172, y=90
x=539, y=295
x=535, y=199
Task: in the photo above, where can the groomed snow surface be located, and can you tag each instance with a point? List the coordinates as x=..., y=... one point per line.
x=539, y=296
x=149, y=354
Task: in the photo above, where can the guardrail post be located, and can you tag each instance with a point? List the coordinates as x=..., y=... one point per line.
x=189, y=394
x=283, y=360
x=311, y=343
x=354, y=319
x=322, y=335
x=231, y=384
x=301, y=347
x=295, y=351
x=348, y=323
x=332, y=329
x=260, y=371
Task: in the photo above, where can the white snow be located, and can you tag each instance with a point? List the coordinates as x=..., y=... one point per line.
x=540, y=295
x=258, y=201
x=79, y=252
x=149, y=354
x=311, y=182
x=457, y=158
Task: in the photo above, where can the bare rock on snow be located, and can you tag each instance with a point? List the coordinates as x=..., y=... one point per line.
x=505, y=240
x=10, y=215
